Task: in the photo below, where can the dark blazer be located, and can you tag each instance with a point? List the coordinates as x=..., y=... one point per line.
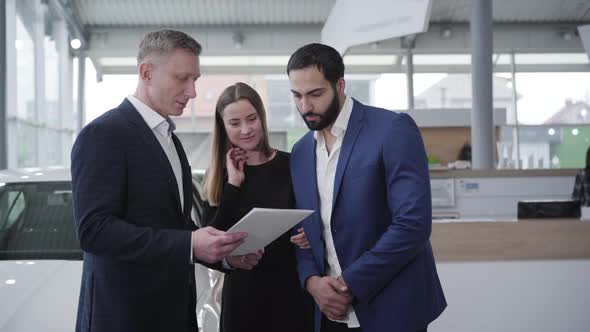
x=137, y=273
x=381, y=220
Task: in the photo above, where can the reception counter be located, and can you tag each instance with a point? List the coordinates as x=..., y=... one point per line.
x=545, y=239
x=494, y=194
x=468, y=173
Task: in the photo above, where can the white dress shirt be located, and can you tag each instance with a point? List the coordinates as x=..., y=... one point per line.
x=326, y=172
x=162, y=129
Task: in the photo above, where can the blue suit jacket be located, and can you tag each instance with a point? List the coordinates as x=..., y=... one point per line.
x=137, y=274
x=381, y=220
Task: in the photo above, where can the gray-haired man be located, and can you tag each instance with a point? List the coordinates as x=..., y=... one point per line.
x=132, y=189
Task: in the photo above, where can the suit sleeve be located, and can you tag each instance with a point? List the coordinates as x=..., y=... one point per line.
x=306, y=266
x=99, y=187
x=409, y=200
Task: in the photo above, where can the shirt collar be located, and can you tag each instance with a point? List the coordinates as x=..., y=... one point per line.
x=153, y=119
x=341, y=123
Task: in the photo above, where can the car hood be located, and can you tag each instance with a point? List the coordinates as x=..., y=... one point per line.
x=39, y=295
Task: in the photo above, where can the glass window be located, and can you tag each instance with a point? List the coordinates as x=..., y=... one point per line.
x=107, y=94
x=391, y=92
x=543, y=146
x=369, y=60
x=53, y=146
x=18, y=206
x=453, y=91
x=51, y=113
x=439, y=90
x=551, y=58
x=440, y=59
x=37, y=60
x=360, y=89
x=25, y=70
x=39, y=222
x=26, y=145
x=553, y=98
x=9, y=207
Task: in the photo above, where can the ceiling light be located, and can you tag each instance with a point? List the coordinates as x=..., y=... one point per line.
x=75, y=43
x=575, y=131
x=446, y=33
x=551, y=131
x=567, y=33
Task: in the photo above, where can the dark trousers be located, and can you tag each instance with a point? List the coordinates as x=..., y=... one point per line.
x=330, y=326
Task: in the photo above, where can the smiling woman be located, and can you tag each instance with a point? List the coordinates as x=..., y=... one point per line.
x=245, y=172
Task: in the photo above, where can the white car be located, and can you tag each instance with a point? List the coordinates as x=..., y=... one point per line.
x=41, y=260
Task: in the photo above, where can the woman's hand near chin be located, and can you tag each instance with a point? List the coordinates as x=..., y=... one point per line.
x=235, y=160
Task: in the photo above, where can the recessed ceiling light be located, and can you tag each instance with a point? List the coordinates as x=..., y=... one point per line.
x=75, y=43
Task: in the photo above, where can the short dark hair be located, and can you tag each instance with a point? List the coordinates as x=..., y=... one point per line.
x=162, y=42
x=588, y=158
x=325, y=58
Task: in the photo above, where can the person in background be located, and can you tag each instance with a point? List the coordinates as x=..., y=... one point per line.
x=364, y=170
x=246, y=172
x=581, y=191
x=465, y=152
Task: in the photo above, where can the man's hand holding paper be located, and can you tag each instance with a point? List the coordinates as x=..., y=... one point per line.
x=264, y=226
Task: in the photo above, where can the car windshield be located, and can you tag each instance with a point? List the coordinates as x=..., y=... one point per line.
x=36, y=221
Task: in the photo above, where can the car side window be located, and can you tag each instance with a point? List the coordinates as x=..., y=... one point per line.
x=17, y=208
x=12, y=205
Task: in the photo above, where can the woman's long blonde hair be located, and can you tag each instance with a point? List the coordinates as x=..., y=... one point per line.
x=214, y=176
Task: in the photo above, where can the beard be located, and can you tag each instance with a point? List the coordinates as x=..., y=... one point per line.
x=327, y=118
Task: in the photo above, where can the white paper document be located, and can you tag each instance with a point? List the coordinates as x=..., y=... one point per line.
x=264, y=226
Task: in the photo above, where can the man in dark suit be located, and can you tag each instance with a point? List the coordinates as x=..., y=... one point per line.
x=132, y=202
x=364, y=171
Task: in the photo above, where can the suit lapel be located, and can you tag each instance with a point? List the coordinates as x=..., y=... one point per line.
x=186, y=178
x=310, y=170
x=353, y=129
x=153, y=145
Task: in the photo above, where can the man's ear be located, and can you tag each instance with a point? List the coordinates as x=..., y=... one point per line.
x=340, y=85
x=145, y=71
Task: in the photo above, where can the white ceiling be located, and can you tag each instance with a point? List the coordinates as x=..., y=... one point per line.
x=216, y=13
x=199, y=13
x=516, y=11
x=277, y=27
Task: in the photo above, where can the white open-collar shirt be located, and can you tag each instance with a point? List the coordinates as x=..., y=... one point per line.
x=162, y=128
x=326, y=173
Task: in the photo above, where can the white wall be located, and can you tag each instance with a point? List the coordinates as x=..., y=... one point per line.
x=520, y=296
